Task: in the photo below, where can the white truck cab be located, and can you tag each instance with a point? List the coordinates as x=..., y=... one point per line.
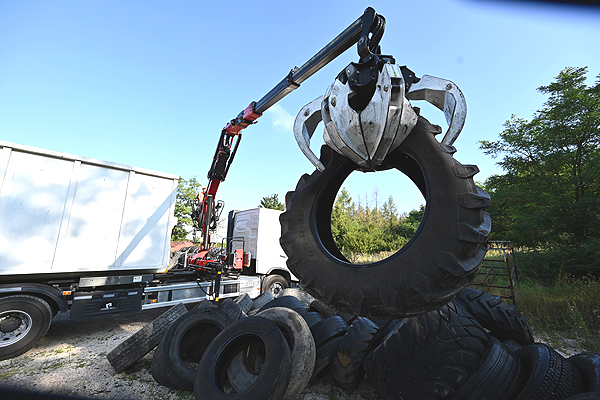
x=257, y=231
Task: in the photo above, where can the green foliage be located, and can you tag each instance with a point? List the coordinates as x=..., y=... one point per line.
x=359, y=230
x=548, y=201
x=187, y=190
x=272, y=202
x=570, y=306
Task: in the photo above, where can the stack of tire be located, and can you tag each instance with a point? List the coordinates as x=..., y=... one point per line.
x=266, y=348
x=476, y=347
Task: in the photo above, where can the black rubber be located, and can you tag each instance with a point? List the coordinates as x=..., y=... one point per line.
x=437, y=263
x=232, y=310
x=322, y=308
x=495, y=379
x=500, y=318
x=302, y=347
x=588, y=365
x=346, y=367
x=244, y=301
x=285, y=301
x=585, y=396
x=301, y=295
x=548, y=375
x=325, y=355
x=328, y=329
x=428, y=356
x=168, y=367
x=26, y=320
x=311, y=317
x=143, y=341
x=272, y=381
x=260, y=301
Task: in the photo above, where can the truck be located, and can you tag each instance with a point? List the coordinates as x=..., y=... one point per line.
x=257, y=231
x=91, y=237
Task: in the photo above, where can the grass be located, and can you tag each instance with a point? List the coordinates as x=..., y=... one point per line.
x=570, y=307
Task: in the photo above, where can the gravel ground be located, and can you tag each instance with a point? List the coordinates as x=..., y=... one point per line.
x=71, y=359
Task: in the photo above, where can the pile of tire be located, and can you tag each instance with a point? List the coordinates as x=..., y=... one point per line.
x=475, y=347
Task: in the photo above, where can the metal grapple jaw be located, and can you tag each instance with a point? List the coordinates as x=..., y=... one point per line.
x=368, y=132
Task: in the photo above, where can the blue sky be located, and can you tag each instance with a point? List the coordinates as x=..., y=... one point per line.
x=152, y=83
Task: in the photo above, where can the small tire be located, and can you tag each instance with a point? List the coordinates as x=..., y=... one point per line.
x=302, y=347
x=430, y=355
x=548, y=375
x=500, y=318
x=245, y=302
x=273, y=379
x=328, y=329
x=301, y=295
x=346, y=367
x=168, y=368
x=494, y=379
x=311, y=317
x=143, y=341
x=325, y=355
x=438, y=262
x=275, y=284
x=588, y=365
x=321, y=308
x=24, y=320
x=285, y=301
x=260, y=301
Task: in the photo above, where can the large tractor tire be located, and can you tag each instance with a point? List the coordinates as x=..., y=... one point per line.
x=437, y=263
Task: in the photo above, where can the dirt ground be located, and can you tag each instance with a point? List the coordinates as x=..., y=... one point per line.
x=71, y=359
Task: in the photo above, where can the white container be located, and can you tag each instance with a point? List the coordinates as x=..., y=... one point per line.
x=61, y=213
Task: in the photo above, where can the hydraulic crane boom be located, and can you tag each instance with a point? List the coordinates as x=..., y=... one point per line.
x=358, y=32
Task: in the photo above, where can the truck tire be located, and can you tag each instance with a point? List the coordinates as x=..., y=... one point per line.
x=168, y=367
x=260, y=301
x=346, y=367
x=285, y=301
x=272, y=381
x=548, y=375
x=143, y=341
x=302, y=347
x=496, y=379
x=328, y=329
x=301, y=295
x=325, y=355
x=500, y=318
x=430, y=355
x=438, y=261
x=275, y=284
x=24, y=320
x=588, y=365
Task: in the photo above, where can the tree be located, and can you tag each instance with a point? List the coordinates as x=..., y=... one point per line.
x=187, y=190
x=549, y=198
x=272, y=202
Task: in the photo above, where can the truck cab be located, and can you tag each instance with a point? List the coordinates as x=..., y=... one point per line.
x=257, y=232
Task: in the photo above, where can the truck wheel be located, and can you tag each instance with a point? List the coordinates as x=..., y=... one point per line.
x=275, y=284
x=501, y=318
x=24, y=320
x=549, y=375
x=438, y=261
